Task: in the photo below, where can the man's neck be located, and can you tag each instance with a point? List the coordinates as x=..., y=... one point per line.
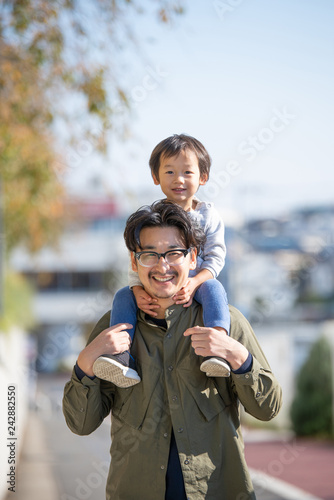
x=164, y=304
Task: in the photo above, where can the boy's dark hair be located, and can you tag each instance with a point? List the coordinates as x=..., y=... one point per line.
x=163, y=214
x=173, y=145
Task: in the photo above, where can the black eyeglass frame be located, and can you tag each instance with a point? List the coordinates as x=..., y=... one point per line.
x=159, y=255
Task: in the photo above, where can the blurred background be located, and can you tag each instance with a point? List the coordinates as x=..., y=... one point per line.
x=87, y=89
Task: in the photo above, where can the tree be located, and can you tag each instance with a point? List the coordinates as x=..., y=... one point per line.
x=311, y=410
x=58, y=61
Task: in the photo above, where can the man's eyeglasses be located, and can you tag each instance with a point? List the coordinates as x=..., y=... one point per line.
x=172, y=257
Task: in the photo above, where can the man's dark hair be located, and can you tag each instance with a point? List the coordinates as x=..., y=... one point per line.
x=163, y=214
x=173, y=145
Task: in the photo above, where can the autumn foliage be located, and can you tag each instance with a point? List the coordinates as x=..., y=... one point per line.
x=57, y=63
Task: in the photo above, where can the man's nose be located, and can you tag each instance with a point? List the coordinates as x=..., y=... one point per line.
x=162, y=265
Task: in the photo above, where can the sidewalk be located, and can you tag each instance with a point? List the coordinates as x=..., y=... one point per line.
x=300, y=468
x=35, y=478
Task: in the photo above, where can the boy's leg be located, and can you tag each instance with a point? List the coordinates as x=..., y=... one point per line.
x=124, y=309
x=212, y=296
x=120, y=368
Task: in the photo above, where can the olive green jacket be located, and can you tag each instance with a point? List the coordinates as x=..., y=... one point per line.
x=174, y=393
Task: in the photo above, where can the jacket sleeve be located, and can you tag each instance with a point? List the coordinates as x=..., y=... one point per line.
x=88, y=401
x=257, y=390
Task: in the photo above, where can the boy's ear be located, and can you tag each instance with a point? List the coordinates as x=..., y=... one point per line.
x=203, y=179
x=155, y=180
x=134, y=262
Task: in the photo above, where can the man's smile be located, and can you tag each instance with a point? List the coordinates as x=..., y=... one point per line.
x=163, y=279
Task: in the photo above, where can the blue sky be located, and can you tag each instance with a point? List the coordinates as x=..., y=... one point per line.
x=252, y=80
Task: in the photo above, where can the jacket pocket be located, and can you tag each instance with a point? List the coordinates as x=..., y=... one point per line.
x=131, y=404
x=205, y=395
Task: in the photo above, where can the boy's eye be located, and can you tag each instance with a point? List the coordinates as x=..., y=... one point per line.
x=189, y=172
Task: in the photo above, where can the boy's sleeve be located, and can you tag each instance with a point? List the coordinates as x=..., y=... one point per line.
x=214, y=251
x=133, y=277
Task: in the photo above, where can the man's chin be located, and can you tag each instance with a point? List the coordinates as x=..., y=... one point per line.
x=157, y=293
x=162, y=295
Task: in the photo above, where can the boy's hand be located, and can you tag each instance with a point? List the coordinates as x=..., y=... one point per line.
x=145, y=301
x=186, y=294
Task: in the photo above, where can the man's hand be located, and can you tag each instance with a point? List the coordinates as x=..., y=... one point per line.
x=213, y=342
x=186, y=294
x=144, y=301
x=112, y=340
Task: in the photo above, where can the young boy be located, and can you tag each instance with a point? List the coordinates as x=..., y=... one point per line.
x=180, y=164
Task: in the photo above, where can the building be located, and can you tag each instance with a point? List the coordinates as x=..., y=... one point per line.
x=75, y=282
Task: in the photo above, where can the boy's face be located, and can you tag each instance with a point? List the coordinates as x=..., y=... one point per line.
x=179, y=178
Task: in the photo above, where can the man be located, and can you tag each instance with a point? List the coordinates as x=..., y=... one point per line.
x=176, y=435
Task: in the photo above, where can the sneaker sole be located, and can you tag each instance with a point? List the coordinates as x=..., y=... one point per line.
x=215, y=368
x=112, y=371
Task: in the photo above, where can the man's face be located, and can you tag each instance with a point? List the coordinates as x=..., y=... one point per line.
x=163, y=281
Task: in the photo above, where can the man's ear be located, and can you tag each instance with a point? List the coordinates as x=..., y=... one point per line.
x=155, y=180
x=193, y=258
x=203, y=179
x=134, y=262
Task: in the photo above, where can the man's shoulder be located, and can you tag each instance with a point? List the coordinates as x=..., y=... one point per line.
x=102, y=324
x=237, y=317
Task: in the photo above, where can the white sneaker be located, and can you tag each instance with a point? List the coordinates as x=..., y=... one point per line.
x=216, y=367
x=111, y=368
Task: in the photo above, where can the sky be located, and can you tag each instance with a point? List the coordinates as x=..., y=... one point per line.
x=253, y=81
